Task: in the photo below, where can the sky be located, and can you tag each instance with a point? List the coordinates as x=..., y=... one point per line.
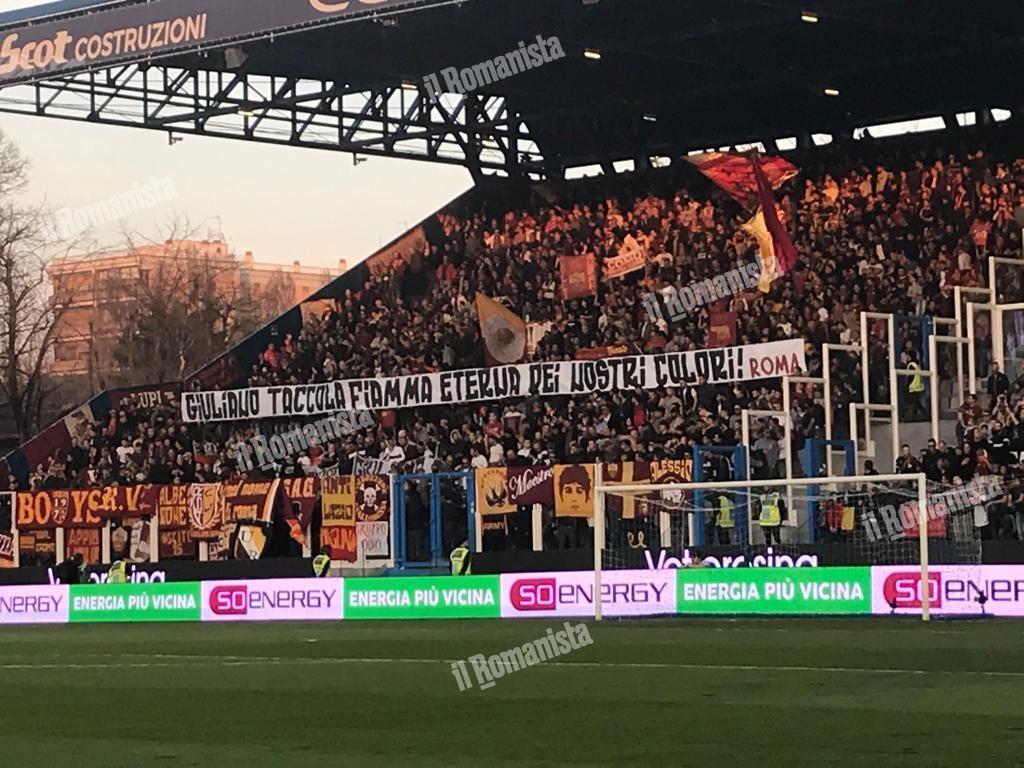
x=284, y=204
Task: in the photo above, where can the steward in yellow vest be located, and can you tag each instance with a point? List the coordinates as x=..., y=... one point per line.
x=117, y=573
x=322, y=563
x=460, y=559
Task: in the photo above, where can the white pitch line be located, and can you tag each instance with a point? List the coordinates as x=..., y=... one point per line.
x=172, y=660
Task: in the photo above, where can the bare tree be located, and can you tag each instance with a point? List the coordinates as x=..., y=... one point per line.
x=29, y=313
x=189, y=302
x=260, y=304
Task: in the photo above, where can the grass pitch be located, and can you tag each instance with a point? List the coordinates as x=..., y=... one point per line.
x=864, y=692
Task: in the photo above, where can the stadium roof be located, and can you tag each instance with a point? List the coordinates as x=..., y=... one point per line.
x=672, y=75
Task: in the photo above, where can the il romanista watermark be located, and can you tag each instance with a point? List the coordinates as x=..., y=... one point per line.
x=469, y=79
x=266, y=452
x=898, y=519
x=488, y=669
x=69, y=223
x=679, y=302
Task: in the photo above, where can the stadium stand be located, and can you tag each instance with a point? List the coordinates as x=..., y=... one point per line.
x=916, y=217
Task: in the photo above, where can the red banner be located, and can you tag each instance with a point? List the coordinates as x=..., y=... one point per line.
x=600, y=353
x=721, y=329
x=84, y=508
x=85, y=542
x=205, y=511
x=300, y=497
x=579, y=276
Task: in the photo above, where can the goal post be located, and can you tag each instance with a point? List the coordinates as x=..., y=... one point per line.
x=859, y=497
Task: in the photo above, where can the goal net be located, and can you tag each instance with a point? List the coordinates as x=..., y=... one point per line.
x=902, y=521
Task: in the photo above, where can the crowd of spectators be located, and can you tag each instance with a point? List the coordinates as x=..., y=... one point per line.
x=889, y=227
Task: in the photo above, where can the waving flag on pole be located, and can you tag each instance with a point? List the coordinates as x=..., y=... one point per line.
x=735, y=173
x=751, y=179
x=504, y=332
x=776, y=248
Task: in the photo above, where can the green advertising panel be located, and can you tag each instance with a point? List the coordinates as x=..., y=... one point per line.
x=445, y=597
x=774, y=590
x=135, y=602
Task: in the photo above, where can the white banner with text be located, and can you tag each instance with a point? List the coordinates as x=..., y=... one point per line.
x=570, y=377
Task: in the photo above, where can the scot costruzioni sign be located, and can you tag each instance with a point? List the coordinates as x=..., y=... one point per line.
x=142, y=31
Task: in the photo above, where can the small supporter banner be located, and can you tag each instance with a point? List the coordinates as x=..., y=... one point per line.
x=630, y=258
x=721, y=329
x=492, y=492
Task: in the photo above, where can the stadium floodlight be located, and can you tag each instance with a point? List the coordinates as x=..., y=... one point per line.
x=592, y=53
x=809, y=17
x=670, y=513
x=831, y=91
x=650, y=117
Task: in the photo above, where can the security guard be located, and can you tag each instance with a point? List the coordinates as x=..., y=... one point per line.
x=460, y=558
x=322, y=563
x=724, y=522
x=916, y=389
x=771, y=517
x=117, y=573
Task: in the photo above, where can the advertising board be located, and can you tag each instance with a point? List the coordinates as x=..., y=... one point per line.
x=273, y=600
x=34, y=605
x=425, y=597
x=954, y=590
x=775, y=590
x=623, y=593
x=134, y=602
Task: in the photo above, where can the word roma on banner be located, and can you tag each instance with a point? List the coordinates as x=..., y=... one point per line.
x=567, y=377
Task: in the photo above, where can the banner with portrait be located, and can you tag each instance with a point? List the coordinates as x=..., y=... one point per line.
x=574, y=490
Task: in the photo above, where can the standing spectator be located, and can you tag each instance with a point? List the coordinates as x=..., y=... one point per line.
x=998, y=384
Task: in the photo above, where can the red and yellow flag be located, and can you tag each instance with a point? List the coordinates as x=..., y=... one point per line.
x=503, y=332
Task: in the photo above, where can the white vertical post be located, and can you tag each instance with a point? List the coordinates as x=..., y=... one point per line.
x=15, y=542
x=996, y=334
x=826, y=364
x=787, y=403
x=747, y=444
x=865, y=379
x=894, y=389
x=537, y=527
x=598, y=538
x=154, y=540
x=922, y=526
x=971, y=372
x=933, y=383
x=478, y=531
x=58, y=546
x=105, y=543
